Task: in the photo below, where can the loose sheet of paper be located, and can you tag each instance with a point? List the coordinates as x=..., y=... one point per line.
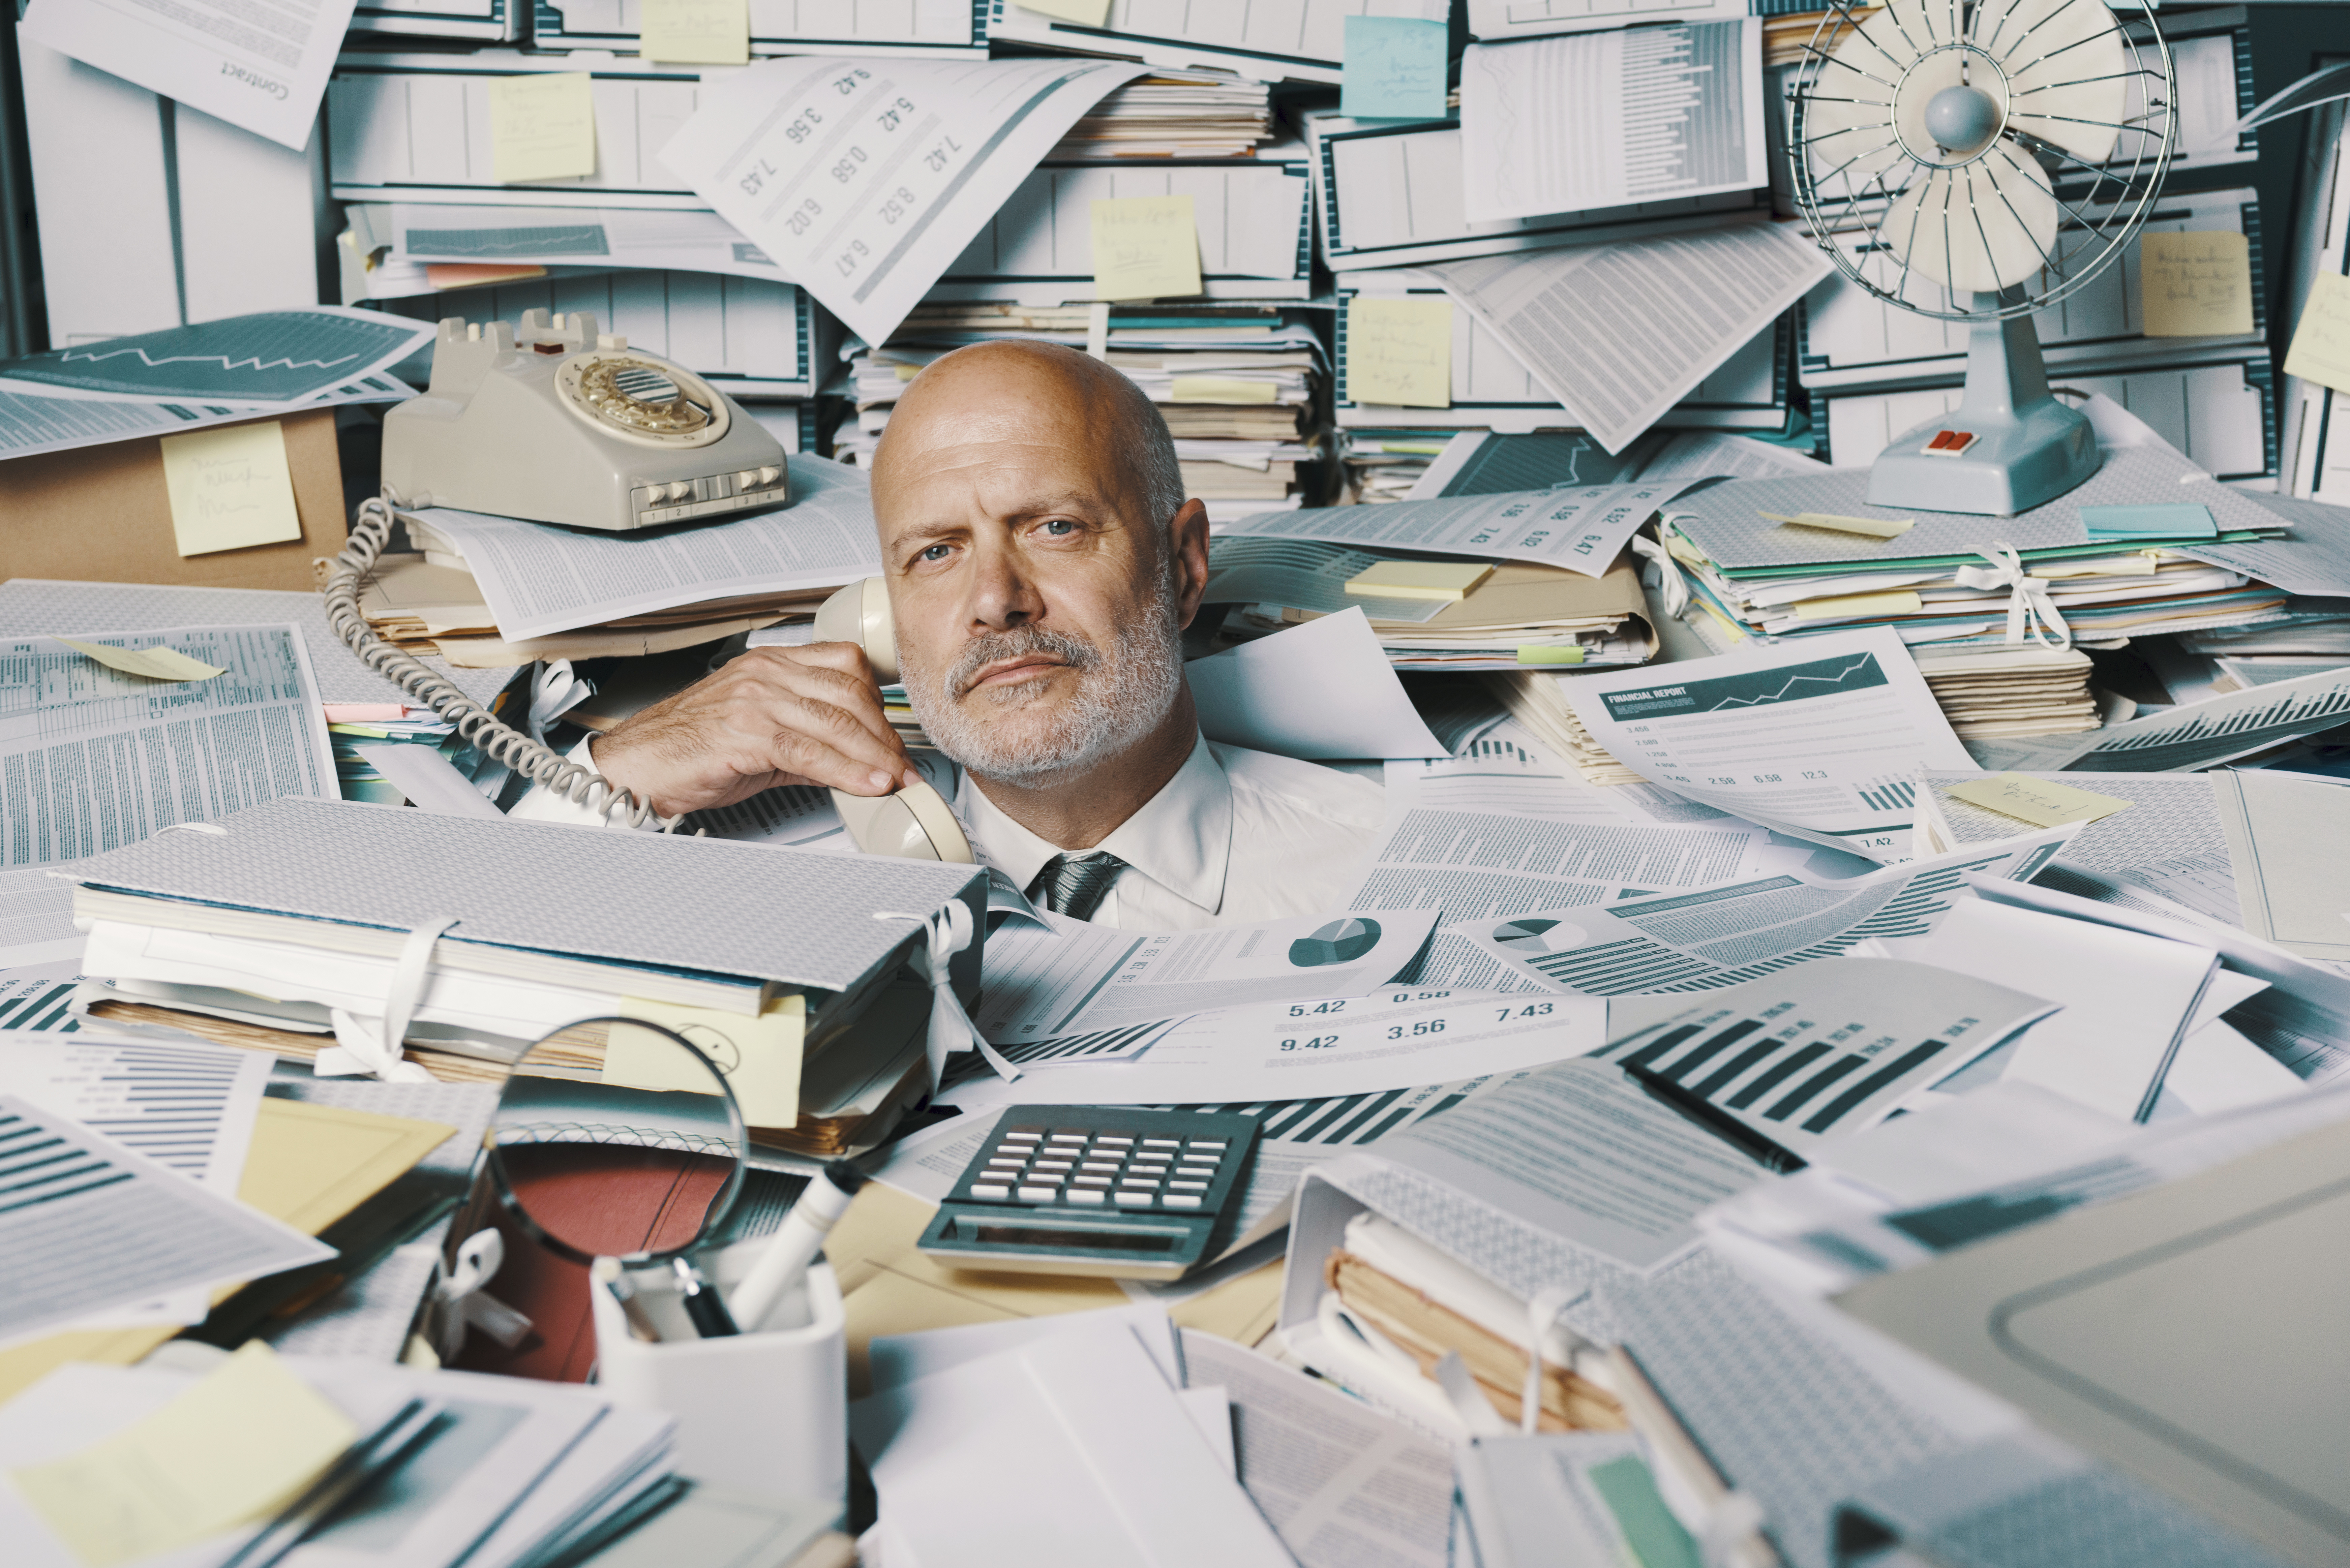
x=272, y=356
x=233, y=1448
x=1393, y=69
x=118, y=1230
x=32, y=425
x=1607, y=943
x=1821, y=735
x=1320, y=689
x=1619, y=333
x=2287, y=836
x=263, y=69
x=1075, y=977
x=539, y=580
x=1389, y=1041
x=229, y=488
x=108, y=758
x=2193, y=735
x=1609, y=118
x=1581, y=529
x=865, y=179
x=2195, y=285
x=1400, y=351
x=1144, y=247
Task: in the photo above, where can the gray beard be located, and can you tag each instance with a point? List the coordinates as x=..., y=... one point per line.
x=1121, y=697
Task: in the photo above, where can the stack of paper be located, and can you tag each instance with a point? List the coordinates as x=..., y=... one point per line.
x=1175, y=114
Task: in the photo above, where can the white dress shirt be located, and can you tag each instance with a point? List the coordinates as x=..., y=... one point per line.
x=1234, y=837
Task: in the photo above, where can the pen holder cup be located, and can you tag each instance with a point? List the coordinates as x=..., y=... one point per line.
x=766, y=1411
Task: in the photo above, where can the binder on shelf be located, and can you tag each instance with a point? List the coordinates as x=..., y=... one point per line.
x=1388, y=193
x=601, y=238
x=1493, y=390
x=935, y=29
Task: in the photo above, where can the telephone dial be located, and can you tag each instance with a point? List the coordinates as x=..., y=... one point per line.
x=916, y=822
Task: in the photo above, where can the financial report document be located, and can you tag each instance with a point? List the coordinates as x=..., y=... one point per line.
x=865, y=178
x=1821, y=735
x=92, y=758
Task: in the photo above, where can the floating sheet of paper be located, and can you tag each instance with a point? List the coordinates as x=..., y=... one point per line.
x=1320, y=689
x=272, y=356
x=32, y=425
x=1822, y=735
x=1072, y=977
x=864, y=179
x=1582, y=529
x=263, y=70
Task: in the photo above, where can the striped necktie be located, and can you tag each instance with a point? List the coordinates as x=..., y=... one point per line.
x=1074, y=885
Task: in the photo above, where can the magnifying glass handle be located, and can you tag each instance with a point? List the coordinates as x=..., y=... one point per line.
x=704, y=1308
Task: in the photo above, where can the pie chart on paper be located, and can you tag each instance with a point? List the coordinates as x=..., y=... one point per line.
x=1340, y=942
x=1532, y=936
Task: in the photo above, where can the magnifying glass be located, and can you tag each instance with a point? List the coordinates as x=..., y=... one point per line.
x=615, y=1137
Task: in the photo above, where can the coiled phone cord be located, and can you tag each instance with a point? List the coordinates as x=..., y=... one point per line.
x=370, y=531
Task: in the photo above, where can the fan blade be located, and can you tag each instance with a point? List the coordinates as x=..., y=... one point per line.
x=2066, y=70
x=1848, y=109
x=1982, y=226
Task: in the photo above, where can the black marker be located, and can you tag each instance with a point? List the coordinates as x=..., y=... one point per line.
x=1718, y=1122
x=704, y=1306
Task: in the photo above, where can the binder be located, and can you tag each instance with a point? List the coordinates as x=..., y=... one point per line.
x=484, y=21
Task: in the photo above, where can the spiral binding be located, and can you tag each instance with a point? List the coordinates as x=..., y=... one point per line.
x=370, y=531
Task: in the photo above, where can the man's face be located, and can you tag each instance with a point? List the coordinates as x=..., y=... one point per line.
x=1038, y=606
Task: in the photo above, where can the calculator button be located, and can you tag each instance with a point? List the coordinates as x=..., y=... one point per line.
x=1132, y=1180
x=1105, y=1166
x=1179, y=1201
x=990, y=1190
x=1038, y=1194
x=1135, y=1199
x=1042, y=1163
x=1187, y=1187
x=1162, y=1143
x=1067, y=1138
x=1105, y=1140
x=1046, y=1177
x=1214, y=1143
x=1076, y=1197
x=1020, y=1138
x=1090, y=1181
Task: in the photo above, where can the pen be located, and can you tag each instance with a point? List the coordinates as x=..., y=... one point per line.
x=796, y=1244
x=607, y=1272
x=703, y=1306
x=1717, y=1121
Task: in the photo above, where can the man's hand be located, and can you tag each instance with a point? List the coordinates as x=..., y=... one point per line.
x=775, y=716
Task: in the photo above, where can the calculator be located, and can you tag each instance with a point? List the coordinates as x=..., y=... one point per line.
x=1095, y=1189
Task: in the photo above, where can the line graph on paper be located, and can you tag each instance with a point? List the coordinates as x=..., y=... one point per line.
x=1758, y=689
x=271, y=357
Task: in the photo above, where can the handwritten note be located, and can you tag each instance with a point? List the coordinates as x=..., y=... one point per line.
x=542, y=127
x=157, y=663
x=1393, y=68
x=1144, y=247
x=759, y=1056
x=1399, y=352
x=235, y=1447
x=696, y=32
x=1084, y=13
x=2041, y=802
x=229, y=487
x=2197, y=285
x=2321, y=343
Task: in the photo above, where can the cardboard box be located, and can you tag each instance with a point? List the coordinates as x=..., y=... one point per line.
x=101, y=514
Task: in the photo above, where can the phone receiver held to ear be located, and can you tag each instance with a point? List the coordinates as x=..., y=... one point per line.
x=916, y=822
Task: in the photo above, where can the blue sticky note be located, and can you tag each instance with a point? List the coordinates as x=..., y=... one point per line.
x=2182, y=521
x=1393, y=69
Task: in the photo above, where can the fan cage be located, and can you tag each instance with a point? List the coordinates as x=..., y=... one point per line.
x=2100, y=206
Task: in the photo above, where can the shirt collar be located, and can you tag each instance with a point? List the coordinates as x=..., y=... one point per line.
x=1182, y=838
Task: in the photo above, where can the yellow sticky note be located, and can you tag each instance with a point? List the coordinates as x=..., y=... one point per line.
x=1084, y=13
x=759, y=1056
x=2321, y=343
x=1220, y=389
x=696, y=32
x=229, y=487
x=1902, y=602
x=2197, y=285
x=1552, y=653
x=2039, y=802
x=157, y=663
x=1874, y=527
x=235, y=1447
x=1144, y=247
x=1399, y=352
x=542, y=127
x=1420, y=579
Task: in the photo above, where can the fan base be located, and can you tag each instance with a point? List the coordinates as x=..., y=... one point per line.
x=2013, y=464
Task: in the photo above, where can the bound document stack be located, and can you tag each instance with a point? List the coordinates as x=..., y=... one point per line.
x=345, y=932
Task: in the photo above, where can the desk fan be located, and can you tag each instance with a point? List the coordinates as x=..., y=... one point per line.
x=1978, y=150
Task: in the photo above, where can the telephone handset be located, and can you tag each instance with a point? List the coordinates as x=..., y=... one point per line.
x=915, y=824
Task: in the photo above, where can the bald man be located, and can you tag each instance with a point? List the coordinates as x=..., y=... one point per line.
x=1042, y=562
